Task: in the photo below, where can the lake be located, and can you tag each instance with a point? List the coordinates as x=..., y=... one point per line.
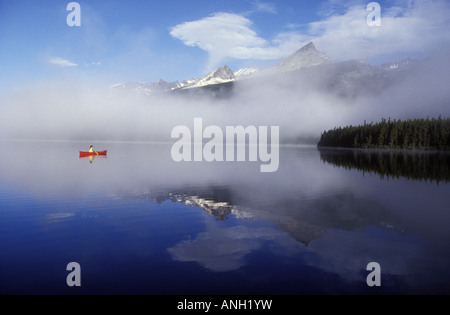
x=137, y=222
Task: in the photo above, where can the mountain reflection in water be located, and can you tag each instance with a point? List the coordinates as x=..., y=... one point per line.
x=304, y=221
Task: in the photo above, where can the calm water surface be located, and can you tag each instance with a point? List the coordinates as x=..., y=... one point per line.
x=137, y=222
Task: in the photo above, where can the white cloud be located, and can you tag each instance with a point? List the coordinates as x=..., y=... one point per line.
x=225, y=35
x=61, y=62
x=409, y=29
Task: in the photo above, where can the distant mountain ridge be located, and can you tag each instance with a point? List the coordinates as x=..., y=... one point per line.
x=147, y=88
x=345, y=78
x=307, y=56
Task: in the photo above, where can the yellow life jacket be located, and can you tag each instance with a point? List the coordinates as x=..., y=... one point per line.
x=91, y=150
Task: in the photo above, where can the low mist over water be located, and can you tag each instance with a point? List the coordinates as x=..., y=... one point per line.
x=301, y=107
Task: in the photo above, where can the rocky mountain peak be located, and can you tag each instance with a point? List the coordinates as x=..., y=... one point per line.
x=306, y=56
x=220, y=75
x=223, y=72
x=308, y=47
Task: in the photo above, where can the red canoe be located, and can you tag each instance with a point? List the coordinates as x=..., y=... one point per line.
x=85, y=154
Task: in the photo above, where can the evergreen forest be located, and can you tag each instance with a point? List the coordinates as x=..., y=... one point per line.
x=422, y=134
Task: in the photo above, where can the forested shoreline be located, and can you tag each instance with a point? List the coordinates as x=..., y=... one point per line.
x=421, y=134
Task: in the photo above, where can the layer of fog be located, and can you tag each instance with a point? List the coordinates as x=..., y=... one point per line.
x=75, y=111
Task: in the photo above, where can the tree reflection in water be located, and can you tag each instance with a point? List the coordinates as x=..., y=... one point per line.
x=390, y=164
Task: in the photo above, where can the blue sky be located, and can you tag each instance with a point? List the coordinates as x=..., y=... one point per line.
x=139, y=40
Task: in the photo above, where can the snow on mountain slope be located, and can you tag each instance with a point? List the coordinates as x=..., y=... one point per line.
x=220, y=75
x=307, y=56
x=246, y=73
x=147, y=88
x=188, y=83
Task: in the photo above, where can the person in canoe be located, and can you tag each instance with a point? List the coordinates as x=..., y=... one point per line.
x=91, y=149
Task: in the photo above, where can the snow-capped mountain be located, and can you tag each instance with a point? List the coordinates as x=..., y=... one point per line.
x=301, y=70
x=220, y=75
x=307, y=56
